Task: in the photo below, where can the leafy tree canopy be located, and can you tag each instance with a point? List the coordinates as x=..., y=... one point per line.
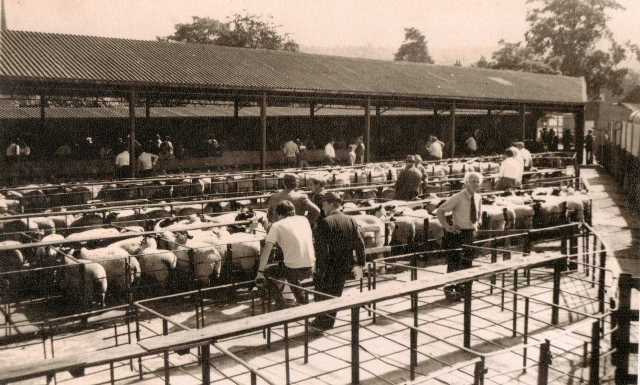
x=240, y=30
x=414, y=48
x=569, y=37
x=573, y=37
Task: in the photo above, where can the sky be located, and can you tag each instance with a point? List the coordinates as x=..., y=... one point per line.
x=455, y=29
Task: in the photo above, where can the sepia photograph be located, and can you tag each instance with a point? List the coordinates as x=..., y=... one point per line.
x=319, y=192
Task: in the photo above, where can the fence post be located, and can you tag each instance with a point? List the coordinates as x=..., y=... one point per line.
x=557, y=266
x=206, y=373
x=494, y=259
x=621, y=337
x=543, y=363
x=514, y=327
x=594, y=367
x=467, y=314
x=413, y=336
x=287, y=369
x=355, y=345
x=601, y=280
x=478, y=372
x=167, y=373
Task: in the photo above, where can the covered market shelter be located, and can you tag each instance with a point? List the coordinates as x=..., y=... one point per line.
x=49, y=65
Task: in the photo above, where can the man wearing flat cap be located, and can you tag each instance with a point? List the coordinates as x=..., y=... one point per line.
x=339, y=250
x=409, y=183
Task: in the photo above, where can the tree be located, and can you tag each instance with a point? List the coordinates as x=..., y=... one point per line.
x=515, y=56
x=241, y=30
x=482, y=63
x=414, y=47
x=568, y=34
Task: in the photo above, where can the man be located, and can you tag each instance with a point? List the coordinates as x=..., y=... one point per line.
x=465, y=207
x=360, y=150
x=524, y=155
x=317, y=191
x=123, y=167
x=293, y=234
x=511, y=171
x=409, y=183
x=146, y=162
x=337, y=239
x=435, y=148
x=13, y=150
x=300, y=200
x=330, y=153
x=471, y=145
x=290, y=151
x=588, y=146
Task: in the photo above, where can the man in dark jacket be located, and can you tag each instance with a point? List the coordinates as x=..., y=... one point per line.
x=409, y=183
x=337, y=238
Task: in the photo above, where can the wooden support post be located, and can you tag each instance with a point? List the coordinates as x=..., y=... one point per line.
x=312, y=117
x=379, y=138
x=594, y=365
x=263, y=131
x=467, y=313
x=452, y=128
x=579, y=124
x=132, y=133
x=147, y=108
x=43, y=109
x=165, y=354
x=367, y=131
x=206, y=373
x=355, y=345
x=557, y=267
x=523, y=122
x=543, y=363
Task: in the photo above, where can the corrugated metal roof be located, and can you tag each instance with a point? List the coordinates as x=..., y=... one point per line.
x=39, y=56
x=210, y=111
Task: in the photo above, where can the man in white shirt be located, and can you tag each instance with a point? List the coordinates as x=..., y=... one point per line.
x=465, y=207
x=293, y=234
x=435, y=148
x=511, y=170
x=146, y=162
x=123, y=165
x=471, y=145
x=290, y=150
x=330, y=153
x=524, y=155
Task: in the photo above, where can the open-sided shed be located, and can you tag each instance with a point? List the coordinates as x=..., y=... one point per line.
x=45, y=64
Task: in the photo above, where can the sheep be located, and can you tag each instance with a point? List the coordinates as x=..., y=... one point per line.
x=84, y=289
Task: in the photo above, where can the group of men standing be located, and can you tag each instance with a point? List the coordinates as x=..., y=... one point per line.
x=328, y=252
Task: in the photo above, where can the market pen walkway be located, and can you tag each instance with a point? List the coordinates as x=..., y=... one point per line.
x=618, y=225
